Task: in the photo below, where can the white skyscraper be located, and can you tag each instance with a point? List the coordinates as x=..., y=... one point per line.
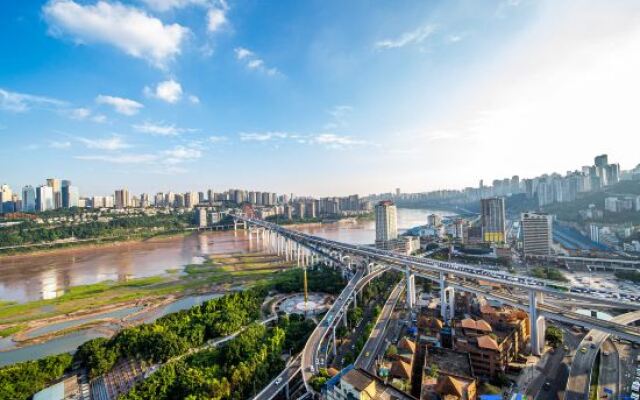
x=536, y=233
x=6, y=201
x=44, y=198
x=386, y=222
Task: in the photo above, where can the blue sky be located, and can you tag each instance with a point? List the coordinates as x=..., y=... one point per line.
x=313, y=97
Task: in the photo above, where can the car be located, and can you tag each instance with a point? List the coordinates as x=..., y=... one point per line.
x=367, y=354
x=583, y=350
x=278, y=380
x=566, y=348
x=605, y=353
x=547, y=385
x=593, y=345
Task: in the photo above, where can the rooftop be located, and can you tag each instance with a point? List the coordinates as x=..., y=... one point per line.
x=450, y=361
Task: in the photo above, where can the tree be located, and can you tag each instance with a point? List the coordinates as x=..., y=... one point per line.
x=392, y=350
x=554, y=336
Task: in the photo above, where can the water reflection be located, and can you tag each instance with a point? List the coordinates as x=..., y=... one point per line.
x=33, y=277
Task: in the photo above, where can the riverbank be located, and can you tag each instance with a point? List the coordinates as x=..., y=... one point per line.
x=38, y=249
x=111, y=306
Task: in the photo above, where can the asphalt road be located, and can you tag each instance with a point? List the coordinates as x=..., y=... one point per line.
x=374, y=343
x=609, y=370
x=272, y=389
x=580, y=374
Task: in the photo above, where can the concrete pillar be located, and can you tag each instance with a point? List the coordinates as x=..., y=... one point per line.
x=298, y=254
x=355, y=299
x=335, y=347
x=537, y=323
x=344, y=319
x=447, y=299
x=287, y=396
x=409, y=289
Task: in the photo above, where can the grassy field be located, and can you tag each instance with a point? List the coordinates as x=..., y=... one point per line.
x=237, y=268
x=86, y=297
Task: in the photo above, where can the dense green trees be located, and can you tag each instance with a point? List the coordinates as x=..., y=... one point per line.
x=173, y=334
x=30, y=232
x=319, y=279
x=236, y=370
x=22, y=380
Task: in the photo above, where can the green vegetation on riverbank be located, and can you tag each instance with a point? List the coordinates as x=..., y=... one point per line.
x=247, y=269
x=118, y=228
x=22, y=380
x=85, y=297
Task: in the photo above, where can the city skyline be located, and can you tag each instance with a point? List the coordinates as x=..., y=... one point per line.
x=288, y=97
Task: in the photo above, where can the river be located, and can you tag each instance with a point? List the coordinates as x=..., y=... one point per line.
x=47, y=275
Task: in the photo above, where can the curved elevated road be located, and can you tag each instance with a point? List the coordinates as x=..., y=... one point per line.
x=580, y=374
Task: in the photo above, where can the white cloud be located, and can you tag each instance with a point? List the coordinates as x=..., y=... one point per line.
x=253, y=62
x=22, y=102
x=416, y=36
x=120, y=158
x=120, y=104
x=80, y=113
x=166, y=5
x=193, y=99
x=99, y=118
x=338, y=117
x=180, y=154
x=216, y=19
x=124, y=27
x=336, y=141
x=218, y=139
x=160, y=129
x=59, y=145
x=113, y=143
x=242, y=53
x=328, y=140
x=262, y=137
x=169, y=91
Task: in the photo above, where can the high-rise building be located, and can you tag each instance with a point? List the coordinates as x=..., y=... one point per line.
x=386, y=222
x=56, y=185
x=158, y=200
x=594, y=233
x=190, y=199
x=6, y=199
x=144, y=200
x=210, y=196
x=397, y=192
x=537, y=233
x=122, y=198
x=201, y=216
x=44, y=198
x=70, y=196
x=28, y=199
x=493, y=219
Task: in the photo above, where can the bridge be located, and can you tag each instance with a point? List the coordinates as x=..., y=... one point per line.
x=525, y=293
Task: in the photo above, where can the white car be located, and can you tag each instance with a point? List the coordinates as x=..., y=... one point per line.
x=278, y=380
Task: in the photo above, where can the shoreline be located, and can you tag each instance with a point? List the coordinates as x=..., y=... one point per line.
x=86, y=246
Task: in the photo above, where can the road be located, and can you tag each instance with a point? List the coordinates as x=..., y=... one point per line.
x=310, y=351
x=373, y=346
x=580, y=374
x=609, y=377
x=555, y=370
x=272, y=389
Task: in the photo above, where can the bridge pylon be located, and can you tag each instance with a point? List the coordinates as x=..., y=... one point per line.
x=537, y=324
